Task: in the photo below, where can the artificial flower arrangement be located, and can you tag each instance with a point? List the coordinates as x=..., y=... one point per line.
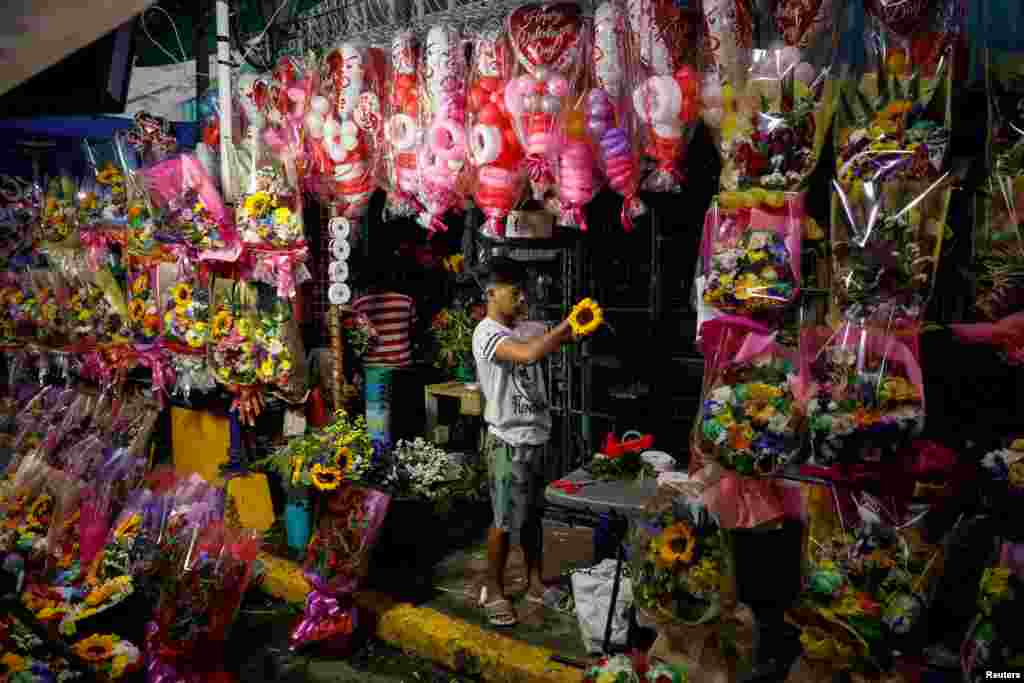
x=891, y=195
x=635, y=669
x=866, y=398
x=751, y=251
x=360, y=335
x=109, y=656
x=423, y=471
x=680, y=560
x=185, y=307
x=992, y=642
x=270, y=213
x=453, y=332
x=323, y=459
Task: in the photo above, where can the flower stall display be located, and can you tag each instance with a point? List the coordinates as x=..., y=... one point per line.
x=751, y=252
x=192, y=214
x=866, y=396
x=442, y=155
x=992, y=642
x=548, y=41
x=337, y=561
x=665, y=88
x=494, y=151
x=95, y=305
x=51, y=291
x=184, y=310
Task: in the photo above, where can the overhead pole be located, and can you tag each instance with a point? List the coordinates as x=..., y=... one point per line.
x=224, y=96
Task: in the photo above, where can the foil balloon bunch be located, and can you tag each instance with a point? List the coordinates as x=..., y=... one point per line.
x=607, y=115
x=494, y=149
x=666, y=97
x=401, y=132
x=442, y=155
x=548, y=44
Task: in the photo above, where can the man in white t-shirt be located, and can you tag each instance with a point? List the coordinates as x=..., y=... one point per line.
x=508, y=356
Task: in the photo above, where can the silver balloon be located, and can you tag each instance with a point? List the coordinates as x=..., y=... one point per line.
x=549, y=104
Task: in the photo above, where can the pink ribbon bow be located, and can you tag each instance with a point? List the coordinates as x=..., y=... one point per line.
x=326, y=615
x=152, y=357
x=279, y=268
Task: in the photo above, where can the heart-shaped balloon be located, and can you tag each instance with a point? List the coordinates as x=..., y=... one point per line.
x=802, y=22
x=547, y=36
x=900, y=16
x=666, y=34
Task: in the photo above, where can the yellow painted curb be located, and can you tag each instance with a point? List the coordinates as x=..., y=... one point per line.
x=429, y=634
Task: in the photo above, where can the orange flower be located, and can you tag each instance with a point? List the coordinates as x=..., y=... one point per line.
x=134, y=211
x=866, y=418
x=739, y=437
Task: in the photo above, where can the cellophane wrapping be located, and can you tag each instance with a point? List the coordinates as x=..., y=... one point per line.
x=609, y=117
x=442, y=154
x=402, y=134
x=893, y=187
x=494, y=152
x=666, y=54
x=337, y=561
x=866, y=398
x=351, y=79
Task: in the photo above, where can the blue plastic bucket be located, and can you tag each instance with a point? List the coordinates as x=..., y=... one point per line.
x=298, y=524
x=378, y=402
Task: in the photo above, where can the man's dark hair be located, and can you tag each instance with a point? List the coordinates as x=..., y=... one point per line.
x=501, y=271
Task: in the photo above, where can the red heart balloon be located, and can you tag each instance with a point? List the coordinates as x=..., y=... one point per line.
x=901, y=16
x=546, y=36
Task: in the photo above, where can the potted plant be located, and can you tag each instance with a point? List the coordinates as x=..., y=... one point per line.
x=453, y=330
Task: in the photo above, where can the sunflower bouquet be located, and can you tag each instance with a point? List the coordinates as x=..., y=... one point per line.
x=185, y=312
x=232, y=340
x=143, y=301
x=679, y=560
x=341, y=451
x=866, y=397
x=109, y=657
x=993, y=641
x=270, y=213
x=51, y=291
x=60, y=215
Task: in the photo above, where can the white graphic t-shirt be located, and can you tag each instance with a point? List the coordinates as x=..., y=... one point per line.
x=517, y=410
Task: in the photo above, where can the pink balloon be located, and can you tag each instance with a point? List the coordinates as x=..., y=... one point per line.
x=558, y=86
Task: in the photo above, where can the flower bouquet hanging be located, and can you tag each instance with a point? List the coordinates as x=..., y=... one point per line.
x=143, y=302
x=867, y=393
x=232, y=343
x=360, y=335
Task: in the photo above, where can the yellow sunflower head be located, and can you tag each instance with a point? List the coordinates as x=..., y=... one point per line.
x=182, y=294
x=678, y=545
x=257, y=204
x=137, y=310
x=586, y=317
x=109, y=175
x=222, y=323
x=96, y=648
x=282, y=215
x=140, y=285
x=325, y=478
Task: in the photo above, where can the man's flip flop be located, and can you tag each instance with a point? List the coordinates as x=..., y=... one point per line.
x=499, y=612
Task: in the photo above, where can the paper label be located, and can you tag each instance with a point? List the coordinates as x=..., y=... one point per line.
x=294, y=422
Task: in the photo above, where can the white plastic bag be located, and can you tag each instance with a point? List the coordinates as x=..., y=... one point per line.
x=592, y=592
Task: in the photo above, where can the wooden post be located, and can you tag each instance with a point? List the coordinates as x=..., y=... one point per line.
x=338, y=351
